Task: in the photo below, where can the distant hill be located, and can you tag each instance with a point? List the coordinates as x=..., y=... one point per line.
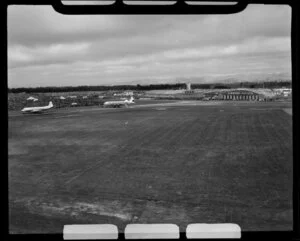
x=234, y=78
x=210, y=79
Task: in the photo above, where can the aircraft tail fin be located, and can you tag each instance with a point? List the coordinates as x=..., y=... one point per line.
x=50, y=104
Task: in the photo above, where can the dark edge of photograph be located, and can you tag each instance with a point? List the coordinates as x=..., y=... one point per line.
x=120, y=8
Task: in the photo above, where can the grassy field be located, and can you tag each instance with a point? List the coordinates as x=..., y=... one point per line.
x=178, y=164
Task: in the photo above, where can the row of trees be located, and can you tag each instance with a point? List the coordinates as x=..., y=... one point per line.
x=96, y=88
x=251, y=85
x=269, y=84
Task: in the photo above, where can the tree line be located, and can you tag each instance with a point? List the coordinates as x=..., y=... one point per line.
x=268, y=84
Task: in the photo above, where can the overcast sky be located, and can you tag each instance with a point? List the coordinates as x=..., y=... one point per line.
x=46, y=48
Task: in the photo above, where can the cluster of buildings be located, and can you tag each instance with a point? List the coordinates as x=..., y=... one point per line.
x=126, y=93
x=69, y=100
x=284, y=91
x=240, y=94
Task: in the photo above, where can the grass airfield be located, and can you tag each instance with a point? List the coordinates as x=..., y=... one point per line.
x=171, y=162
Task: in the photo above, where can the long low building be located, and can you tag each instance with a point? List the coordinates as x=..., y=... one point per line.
x=241, y=95
x=238, y=95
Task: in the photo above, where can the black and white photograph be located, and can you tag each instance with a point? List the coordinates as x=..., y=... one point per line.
x=149, y=119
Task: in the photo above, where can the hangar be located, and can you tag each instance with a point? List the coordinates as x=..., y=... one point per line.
x=241, y=95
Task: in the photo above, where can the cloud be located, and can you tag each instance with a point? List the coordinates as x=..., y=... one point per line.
x=19, y=55
x=107, y=48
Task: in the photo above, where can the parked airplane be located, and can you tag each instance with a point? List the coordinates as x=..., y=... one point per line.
x=38, y=109
x=119, y=103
